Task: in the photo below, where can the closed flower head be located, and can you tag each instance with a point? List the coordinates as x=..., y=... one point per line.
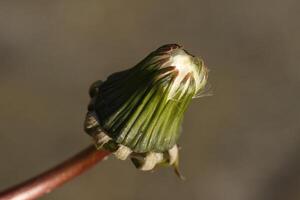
x=138, y=112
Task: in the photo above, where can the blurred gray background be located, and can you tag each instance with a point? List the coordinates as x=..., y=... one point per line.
x=243, y=143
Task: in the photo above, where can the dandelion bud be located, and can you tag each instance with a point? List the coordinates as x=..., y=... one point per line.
x=138, y=112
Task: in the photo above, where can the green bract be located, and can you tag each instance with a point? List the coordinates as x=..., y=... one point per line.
x=138, y=112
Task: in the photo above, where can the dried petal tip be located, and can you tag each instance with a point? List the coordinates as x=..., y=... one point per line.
x=138, y=112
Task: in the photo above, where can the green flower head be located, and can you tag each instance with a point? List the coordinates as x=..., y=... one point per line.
x=138, y=112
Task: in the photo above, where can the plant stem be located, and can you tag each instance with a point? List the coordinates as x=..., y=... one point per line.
x=55, y=177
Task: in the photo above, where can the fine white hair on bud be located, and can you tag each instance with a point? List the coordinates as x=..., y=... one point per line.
x=138, y=112
x=185, y=64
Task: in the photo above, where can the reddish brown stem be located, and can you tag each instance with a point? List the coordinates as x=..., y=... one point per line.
x=53, y=178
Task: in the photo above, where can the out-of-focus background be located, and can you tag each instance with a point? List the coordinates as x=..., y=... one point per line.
x=243, y=143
